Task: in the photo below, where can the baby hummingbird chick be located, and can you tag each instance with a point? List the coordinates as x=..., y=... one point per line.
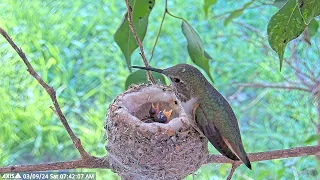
x=154, y=110
x=159, y=116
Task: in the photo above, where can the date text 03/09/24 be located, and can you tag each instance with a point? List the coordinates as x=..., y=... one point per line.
x=49, y=176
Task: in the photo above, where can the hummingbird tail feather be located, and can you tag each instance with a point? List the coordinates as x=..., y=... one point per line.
x=241, y=154
x=216, y=140
x=246, y=161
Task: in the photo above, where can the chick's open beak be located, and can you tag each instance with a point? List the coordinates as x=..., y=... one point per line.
x=167, y=114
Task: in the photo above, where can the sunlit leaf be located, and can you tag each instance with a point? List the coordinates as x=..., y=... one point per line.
x=124, y=37
x=313, y=138
x=195, y=48
x=140, y=76
x=286, y=25
x=313, y=27
x=309, y=9
x=207, y=5
x=279, y=3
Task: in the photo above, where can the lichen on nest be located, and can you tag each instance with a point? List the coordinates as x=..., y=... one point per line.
x=140, y=150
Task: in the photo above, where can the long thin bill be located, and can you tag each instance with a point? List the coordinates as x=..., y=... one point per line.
x=149, y=69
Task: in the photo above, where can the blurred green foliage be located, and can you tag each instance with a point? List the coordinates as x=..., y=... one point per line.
x=71, y=45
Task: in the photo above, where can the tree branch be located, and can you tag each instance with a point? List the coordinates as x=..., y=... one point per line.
x=79, y=163
x=76, y=141
x=93, y=162
x=270, y=155
x=273, y=86
x=233, y=169
x=138, y=41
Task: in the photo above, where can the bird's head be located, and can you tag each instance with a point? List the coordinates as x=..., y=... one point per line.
x=184, y=78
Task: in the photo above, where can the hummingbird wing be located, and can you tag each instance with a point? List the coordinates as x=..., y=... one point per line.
x=219, y=124
x=213, y=135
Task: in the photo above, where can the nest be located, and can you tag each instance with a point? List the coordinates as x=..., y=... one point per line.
x=140, y=150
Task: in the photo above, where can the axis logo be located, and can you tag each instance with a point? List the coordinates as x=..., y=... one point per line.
x=11, y=176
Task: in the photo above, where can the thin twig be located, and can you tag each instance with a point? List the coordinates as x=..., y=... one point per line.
x=311, y=72
x=273, y=86
x=234, y=95
x=308, y=68
x=251, y=28
x=303, y=77
x=317, y=72
x=168, y=12
x=240, y=9
x=150, y=77
x=318, y=125
x=261, y=40
x=53, y=110
x=232, y=170
x=159, y=32
x=255, y=101
x=76, y=141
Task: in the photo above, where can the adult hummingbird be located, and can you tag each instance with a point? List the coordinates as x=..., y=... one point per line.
x=213, y=114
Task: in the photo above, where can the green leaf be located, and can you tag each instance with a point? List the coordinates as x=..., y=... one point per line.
x=313, y=138
x=140, y=76
x=309, y=9
x=207, y=5
x=124, y=37
x=232, y=16
x=195, y=48
x=236, y=13
x=279, y=3
x=313, y=27
x=286, y=25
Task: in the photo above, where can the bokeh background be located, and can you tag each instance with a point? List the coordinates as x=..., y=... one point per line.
x=70, y=44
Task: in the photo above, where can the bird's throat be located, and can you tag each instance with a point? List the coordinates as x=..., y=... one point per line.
x=189, y=105
x=182, y=93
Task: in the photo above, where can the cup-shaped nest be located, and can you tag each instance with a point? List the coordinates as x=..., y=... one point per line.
x=152, y=150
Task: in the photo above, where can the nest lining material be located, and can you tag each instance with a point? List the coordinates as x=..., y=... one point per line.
x=139, y=150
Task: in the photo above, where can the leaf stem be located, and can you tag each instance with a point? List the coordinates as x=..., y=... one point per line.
x=167, y=11
x=173, y=15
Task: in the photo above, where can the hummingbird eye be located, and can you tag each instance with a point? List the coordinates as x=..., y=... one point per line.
x=176, y=80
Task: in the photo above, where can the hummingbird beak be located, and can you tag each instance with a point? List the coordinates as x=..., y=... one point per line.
x=149, y=69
